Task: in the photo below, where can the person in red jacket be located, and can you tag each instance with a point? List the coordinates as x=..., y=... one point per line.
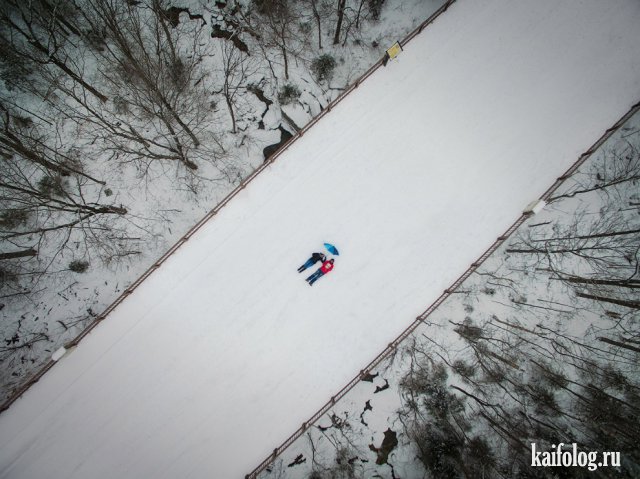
x=324, y=269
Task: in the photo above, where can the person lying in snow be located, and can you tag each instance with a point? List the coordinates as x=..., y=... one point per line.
x=315, y=257
x=324, y=269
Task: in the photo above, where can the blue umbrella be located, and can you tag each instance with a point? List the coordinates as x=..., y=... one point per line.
x=331, y=249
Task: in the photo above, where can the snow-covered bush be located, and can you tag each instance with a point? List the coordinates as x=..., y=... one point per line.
x=342, y=468
x=288, y=94
x=323, y=67
x=10, y=219
x=51, y=185
x=7, y=276
x=79, y=266
x=375, y=8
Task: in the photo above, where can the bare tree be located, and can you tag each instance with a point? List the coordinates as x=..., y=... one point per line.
x=596, y=256
x=237, y=70
x=613, y=169
x=161, y=105
x=556, y=369
x=276, y=24
x=156, y=108
x=595, y=250
x=37, y=33
x=47, y=201
x=316, y=9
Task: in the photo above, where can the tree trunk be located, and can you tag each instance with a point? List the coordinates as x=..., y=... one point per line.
x=341, y=5
x=620, y=283
x=233, y=116
x=604, y=299
x=358, y=14
x=286, y=63
x=12, y=142
x=316, y=14
x=19, y=254
x=63, y=22
x=76, y=78
x=619, y=344
x=161, y=16
x=52, y=58
x=175, y=115
x=597, y=235
x=595, y=188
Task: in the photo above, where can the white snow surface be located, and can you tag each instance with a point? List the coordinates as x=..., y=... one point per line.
x=225, y=350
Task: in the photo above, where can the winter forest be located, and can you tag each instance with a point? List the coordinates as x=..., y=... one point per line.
x=123, y=122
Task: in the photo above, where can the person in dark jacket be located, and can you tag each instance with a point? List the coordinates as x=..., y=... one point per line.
x=324, y=269
x=315, y=257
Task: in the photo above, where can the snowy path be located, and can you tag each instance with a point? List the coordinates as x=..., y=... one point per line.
x=225, y=350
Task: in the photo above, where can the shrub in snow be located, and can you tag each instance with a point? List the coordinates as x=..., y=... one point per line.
x=544, y=400
x=469, y=331
x=439, y=449
x=51, y=185
x=375, y=8
x=14, y=68
x=72, y=161
x=78, y=266
x=278, y=9
x=23, y=121
x=178, y=73
x=7, y=276
x=323, y=66
x=306, y=28
x=342, y=468
x=478, y=457
x=95, y=40
x=463, y=369
x=10, y=219
x=120, y=104
x=288, y=94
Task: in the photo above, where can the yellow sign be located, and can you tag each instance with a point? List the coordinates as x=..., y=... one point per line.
x=394, y=51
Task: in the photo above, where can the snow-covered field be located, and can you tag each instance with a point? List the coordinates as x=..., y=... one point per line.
x=226, y=350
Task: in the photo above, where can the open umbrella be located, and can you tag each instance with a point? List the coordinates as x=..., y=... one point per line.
x=331, y=249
